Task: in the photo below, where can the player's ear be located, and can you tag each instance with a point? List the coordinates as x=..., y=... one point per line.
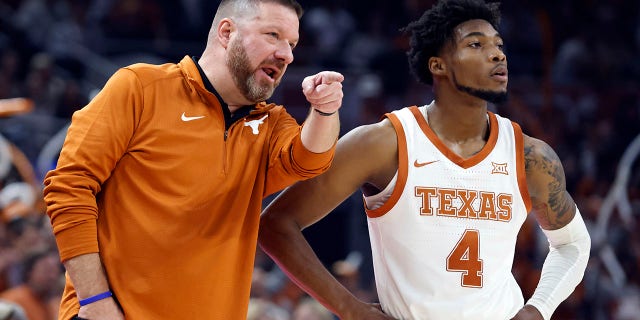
x=225, y=28
x=437, y=66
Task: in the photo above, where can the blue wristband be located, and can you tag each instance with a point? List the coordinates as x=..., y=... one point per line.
x=95, y=298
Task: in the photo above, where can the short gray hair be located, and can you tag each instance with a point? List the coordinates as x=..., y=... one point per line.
x=249, y=8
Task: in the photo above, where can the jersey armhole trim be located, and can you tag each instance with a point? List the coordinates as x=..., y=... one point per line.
x=520, y=166
x=402, y=170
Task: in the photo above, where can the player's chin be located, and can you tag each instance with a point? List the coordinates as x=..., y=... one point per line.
x=500, y=90
x=500, y=85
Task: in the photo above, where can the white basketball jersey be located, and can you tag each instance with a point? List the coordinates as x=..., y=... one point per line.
x=443, y=241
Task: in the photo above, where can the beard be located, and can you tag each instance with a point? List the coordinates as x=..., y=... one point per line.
x=244, y=75
x=495, y=97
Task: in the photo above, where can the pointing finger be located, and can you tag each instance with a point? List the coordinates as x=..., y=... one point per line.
x=314, y=82
x=328, y=77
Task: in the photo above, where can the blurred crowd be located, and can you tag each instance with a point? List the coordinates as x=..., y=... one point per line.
x=574, y=72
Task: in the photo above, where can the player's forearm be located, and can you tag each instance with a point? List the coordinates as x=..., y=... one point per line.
x=87, y=275
x=320, y=132
x=564, y=266
x=289, y=249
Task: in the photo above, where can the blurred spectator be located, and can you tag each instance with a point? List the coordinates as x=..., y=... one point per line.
x=17, y=200
x=628, y=307
x=66, y=34
x=9, y=73
x=70, y=100
x=310, y=309
x=574, y=60
x=330, y=27
x=11, y=311
x=348, y=272
x=39, y=294
x=43, y=84
x=525, y=53
x=32, y=12
x=367, y=41
x=260, y=309
x=129, y=20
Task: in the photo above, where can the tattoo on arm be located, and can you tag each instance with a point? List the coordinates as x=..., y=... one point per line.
x=553, y=206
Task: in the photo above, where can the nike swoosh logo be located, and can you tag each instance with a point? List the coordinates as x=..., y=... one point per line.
x=185, y=118
x=418, y=164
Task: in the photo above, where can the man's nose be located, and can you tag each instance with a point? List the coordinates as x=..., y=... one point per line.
x=284, y=53
x=497, y=55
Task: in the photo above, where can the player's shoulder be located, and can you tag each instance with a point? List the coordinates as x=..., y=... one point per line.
x=538, y=154
x=372, y=134
x=369, y=141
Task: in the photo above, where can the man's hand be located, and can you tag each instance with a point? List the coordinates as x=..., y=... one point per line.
x=528, y=312
x=369, y=311
x=324, y=91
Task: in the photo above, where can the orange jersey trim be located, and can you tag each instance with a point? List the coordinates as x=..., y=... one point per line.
x=520, y=167
x=403, y=169
x=455, y=158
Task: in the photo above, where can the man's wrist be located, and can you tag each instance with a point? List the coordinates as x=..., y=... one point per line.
x=324, y=114
x=95, y=298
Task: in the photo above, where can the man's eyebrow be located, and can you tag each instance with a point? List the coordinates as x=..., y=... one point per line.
x=479, y=34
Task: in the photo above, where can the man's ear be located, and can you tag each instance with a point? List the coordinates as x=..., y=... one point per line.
x=437, y=66
x=225, y=28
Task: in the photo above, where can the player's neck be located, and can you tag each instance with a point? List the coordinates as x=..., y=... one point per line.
x=458, y=122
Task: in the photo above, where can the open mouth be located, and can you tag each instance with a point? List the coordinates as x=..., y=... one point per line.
x=271, y=72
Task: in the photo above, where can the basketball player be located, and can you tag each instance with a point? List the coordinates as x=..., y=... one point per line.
x=447, y=186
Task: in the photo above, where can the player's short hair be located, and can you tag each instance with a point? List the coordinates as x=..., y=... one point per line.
x=430, y=33
x=236, y=8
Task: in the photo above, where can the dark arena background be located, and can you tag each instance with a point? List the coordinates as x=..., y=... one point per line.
x=574, y=82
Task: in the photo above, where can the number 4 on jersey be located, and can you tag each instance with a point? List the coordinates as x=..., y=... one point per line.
x=465, y=258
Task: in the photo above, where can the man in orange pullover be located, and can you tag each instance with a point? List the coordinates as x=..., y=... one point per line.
x=156, y=197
